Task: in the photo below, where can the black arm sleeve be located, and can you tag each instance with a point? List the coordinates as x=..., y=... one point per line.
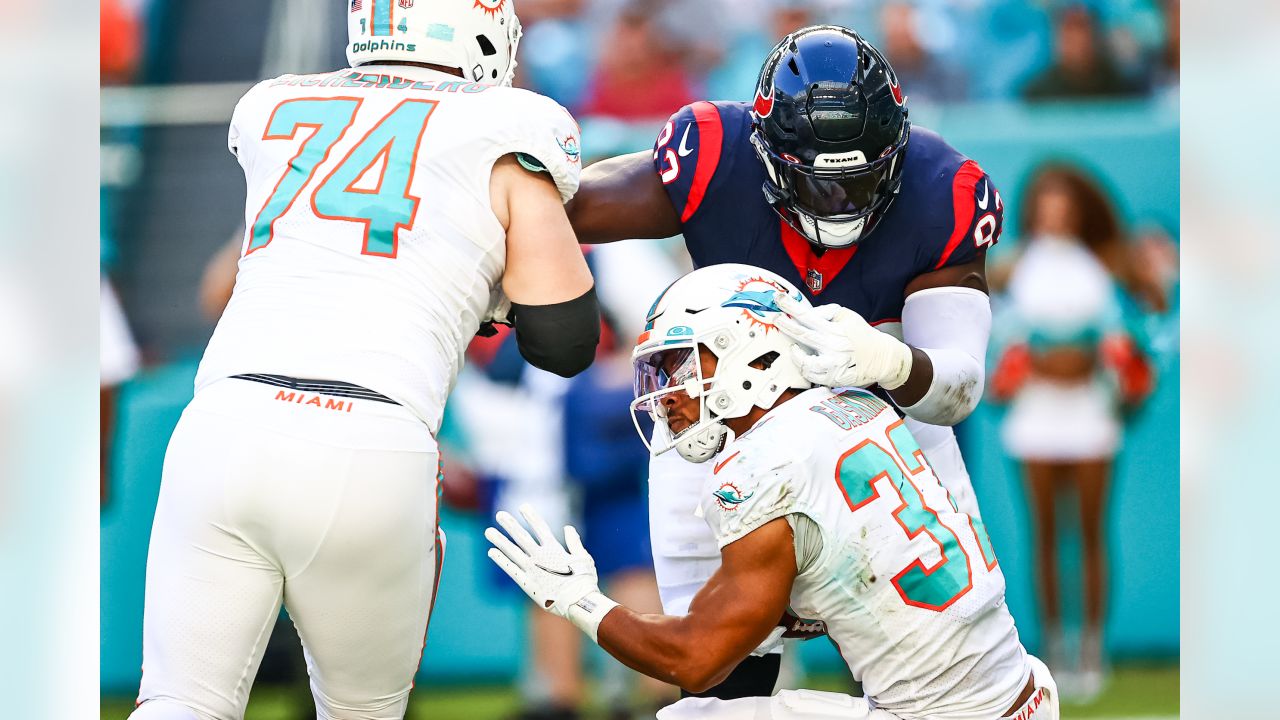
x=559, y=338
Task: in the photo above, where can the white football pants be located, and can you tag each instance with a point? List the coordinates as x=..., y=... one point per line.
x=685, y=555
x=1043, y=703
x=786, y=705
x=326, y=504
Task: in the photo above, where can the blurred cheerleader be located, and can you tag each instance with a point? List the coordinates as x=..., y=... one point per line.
x=1069, y=372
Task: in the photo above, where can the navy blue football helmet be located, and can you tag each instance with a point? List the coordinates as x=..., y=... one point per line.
x=830, y=125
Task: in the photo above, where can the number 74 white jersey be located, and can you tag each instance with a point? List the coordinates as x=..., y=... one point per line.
x=371, y=251
x=908, y=586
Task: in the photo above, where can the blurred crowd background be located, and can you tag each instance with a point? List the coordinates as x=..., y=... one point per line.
x=1071, y=106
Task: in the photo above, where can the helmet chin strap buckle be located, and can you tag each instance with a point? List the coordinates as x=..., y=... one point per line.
x=706, y=443
x=834, y=235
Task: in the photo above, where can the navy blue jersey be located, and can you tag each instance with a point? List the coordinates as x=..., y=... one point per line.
x=946, y=212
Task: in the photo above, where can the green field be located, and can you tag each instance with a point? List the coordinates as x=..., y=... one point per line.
x=1135, y=691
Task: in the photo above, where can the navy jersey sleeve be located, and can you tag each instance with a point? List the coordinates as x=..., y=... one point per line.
x=691, y=156
x=978, y=216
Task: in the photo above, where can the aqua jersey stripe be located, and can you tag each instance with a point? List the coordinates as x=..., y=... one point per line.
x=382, y=17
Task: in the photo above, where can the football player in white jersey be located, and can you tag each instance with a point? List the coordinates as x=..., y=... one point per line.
x=823, y=507
x=393, y=207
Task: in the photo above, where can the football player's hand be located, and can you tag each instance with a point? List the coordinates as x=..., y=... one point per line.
x=843, y=349
x=554, y=576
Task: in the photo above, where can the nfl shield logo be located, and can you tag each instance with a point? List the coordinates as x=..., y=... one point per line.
x=406, y=4
x=813, y=279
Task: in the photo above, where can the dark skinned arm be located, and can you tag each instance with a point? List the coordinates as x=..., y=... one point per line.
x=622, y=198
x=972, y=274
x=728, y=618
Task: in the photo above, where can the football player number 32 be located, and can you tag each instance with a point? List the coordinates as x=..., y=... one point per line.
x=383, y=204
x=870, y=471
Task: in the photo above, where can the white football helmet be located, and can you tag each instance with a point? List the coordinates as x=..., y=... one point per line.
x=730, y=309
x=479, y=37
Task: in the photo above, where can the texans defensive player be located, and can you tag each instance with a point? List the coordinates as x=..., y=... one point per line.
x=824, y=181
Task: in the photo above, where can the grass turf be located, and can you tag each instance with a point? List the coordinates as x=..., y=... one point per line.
x=1134, y=691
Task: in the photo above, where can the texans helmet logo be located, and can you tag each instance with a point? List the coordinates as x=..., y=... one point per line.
x=763, y=106
x=896, y=89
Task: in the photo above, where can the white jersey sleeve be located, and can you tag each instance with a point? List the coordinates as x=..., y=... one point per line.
x=244, y=107
x=753, y=484
x=549, y=135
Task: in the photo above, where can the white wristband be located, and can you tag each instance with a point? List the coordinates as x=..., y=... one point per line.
x=588, y=612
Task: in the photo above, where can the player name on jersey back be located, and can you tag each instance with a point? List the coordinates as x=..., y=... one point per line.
x=381, y=80
x=371, y=252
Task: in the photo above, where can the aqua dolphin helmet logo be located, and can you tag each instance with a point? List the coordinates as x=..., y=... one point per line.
x=757, y=301
x=729, y=497
x=757, y=297
x=571, y=149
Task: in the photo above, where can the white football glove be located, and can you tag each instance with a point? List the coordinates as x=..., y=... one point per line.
x=561, y=581
x=846, y=350
x=499, y=313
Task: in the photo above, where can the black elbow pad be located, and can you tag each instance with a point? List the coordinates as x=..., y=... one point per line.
x=559, y=338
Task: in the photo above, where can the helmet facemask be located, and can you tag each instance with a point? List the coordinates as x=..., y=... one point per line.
x=737, y=386
x=665, y=371
x=832, y=207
